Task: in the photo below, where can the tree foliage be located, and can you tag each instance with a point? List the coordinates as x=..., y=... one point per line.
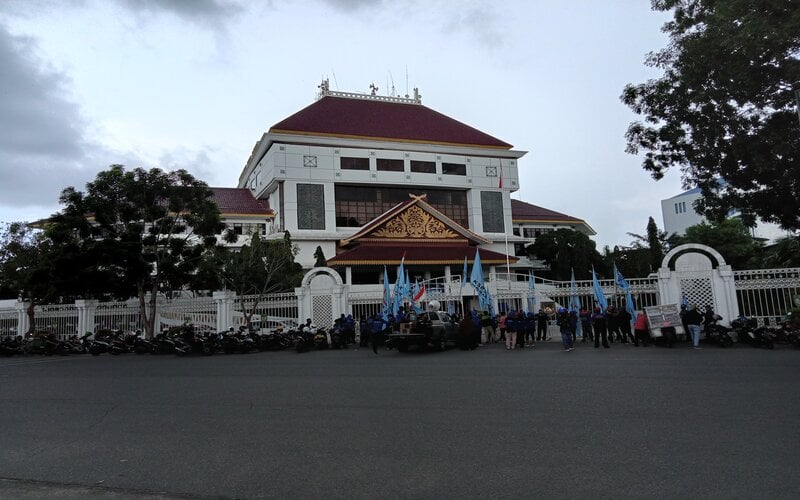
x=319, y=257
x=260, y=267
x=724, y=111
x=730, y=237
x=564, y=250
x=148, y=229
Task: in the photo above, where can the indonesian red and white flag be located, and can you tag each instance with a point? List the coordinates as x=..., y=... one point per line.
x=500, y=184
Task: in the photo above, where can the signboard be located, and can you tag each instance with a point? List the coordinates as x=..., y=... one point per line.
x=664, y=315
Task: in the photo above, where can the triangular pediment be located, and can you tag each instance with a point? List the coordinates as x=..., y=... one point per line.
x=413, y=220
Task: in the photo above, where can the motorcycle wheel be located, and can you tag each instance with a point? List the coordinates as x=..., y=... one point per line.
x=207, y=350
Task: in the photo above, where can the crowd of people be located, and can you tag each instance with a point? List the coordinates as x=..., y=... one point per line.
x=521, y=329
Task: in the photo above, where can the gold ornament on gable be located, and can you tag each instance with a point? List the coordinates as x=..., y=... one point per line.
x=415, y=223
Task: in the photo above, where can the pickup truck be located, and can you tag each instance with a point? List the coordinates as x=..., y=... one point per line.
x=434, y=329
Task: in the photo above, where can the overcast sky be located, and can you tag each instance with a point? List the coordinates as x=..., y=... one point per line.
x=194, y=83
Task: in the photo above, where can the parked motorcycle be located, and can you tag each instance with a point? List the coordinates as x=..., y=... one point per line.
x=122, y=343
x=747, y=332
x=719, y=335
x=304, y=340
x=10, y=346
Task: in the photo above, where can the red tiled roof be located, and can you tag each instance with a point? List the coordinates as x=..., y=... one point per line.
x=381, y=120
x=420, y=254
x=240, y=201
x=525, y=211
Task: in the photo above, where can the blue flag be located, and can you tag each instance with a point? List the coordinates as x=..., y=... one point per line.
x=464, y=274
x=532, y=292
x=574, y=303
x=476, y=279
x=399, y=288
x=387, y=295
x=620, y=280
x=598, y=291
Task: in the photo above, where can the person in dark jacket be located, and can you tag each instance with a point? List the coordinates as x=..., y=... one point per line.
x=586, y=324
x=612, y=323
x=377, y=326
x=599, y=327
x=693, y=321
x=565, y=327
x=541, y=325
x=624, y=318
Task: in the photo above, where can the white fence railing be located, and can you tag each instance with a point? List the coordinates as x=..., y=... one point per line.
x=764, y=294
x=767, y=294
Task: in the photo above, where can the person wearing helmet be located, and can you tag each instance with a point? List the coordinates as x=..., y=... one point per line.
x=565, y=327
x=599, y=327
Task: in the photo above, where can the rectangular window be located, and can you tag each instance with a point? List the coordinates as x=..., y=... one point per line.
x=519, y=250
x=387, y=165
x=358, y=205
x=423, y=167
x=515, y=231
x=237, y=229
x=454, y=169
x=310, y=206
x=492, y=212
x=350, y=163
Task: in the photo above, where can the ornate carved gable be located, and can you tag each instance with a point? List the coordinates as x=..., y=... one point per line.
x=414, y=223
x=414, y=219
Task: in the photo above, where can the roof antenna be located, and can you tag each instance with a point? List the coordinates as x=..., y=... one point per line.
x=334, y=79
x=373, y=88
x=393, y=93
x=406, y=81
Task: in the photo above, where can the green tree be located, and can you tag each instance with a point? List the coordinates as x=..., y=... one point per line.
x=257, y=269
x=563, y=250
x=731, y=238
x=654, y=245
x=724, y=111
x=148, y=228
x=25, y=267
x=319, y=258
x=784, y=253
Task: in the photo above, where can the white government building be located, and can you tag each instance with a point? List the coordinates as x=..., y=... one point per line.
x=370, y=179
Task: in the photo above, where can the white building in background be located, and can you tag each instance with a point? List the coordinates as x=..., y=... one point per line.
x=370, y=179
x=679, y=213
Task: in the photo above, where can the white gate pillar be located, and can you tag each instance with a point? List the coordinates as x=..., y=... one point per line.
x=22, y=317
x=224, y=300
x=86, y=312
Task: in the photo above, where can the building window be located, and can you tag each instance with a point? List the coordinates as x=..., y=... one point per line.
x=309, y=161
x=454, y=169
x=492, y=212
x=387, y=165
x=515, y=231
x=680, y=207
x=423, y=167
x=350, y=163
x=310, y=206
x=519, y=250
x=238, y=229
x=358, y=205
x=491, y=171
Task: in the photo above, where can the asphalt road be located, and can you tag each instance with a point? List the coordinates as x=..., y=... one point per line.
x=623, y=422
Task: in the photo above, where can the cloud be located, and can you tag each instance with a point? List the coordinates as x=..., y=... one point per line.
x=479, y=22
x=212, y=13
x=41, y=132
x=354, y=5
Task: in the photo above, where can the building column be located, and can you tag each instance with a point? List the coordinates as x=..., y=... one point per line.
x=348, y=275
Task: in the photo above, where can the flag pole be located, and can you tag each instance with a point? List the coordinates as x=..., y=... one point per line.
x=505, y=234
